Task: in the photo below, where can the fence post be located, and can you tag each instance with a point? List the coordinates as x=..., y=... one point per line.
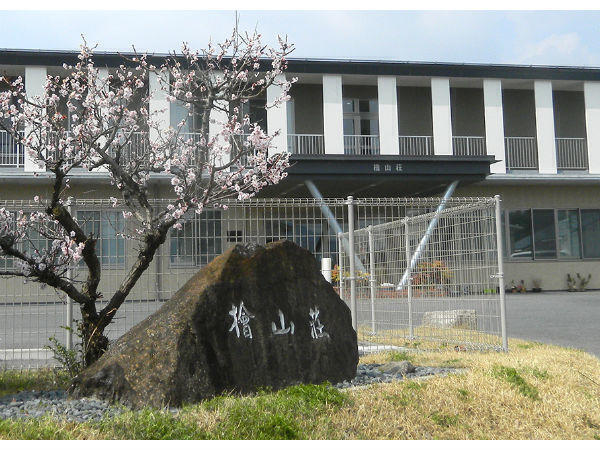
x=326, y=268
x=372, y=276
x=352, y=252
x=341, y=265
x=500, y=274
x=408, y=282
x=69, y=326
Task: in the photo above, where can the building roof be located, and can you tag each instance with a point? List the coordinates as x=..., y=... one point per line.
x=334, y=66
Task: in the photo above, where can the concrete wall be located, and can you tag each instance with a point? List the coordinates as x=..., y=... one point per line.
x=467, y=112
x=519, y=112
x=414, y=111
x=569, y=114
x=308, y=108
x=552, y=273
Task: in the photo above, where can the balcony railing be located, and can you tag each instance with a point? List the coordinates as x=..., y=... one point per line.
x=521, y=153
x=306, y=144
x=363, y=145
x=11, y=152
x=469, y=145
x=571, y=154
x=415, y=145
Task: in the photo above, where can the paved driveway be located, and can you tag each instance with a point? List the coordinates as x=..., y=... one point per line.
x=570, y=319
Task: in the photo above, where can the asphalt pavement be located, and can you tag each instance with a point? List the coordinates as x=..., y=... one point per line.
x=569, y=319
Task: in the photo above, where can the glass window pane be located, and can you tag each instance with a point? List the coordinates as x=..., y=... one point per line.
x=519, y=225
x=349, y=127
x=178, y=113
x=544, y=233
x=590, y=229
x=374, y=127
x=348, y=105
x=365, y=127
x=373, y=105
x=569, y=244
x=363, y=105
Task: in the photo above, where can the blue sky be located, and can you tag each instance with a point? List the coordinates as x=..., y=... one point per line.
x=513, y=37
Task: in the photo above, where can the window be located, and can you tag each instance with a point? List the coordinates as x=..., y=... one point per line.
x=544, y=234
x=360, y=117
x=569, y=242
x=199, y=240
x=193, y=121
x=519, y=230
x=590, y=232
x=108, y=227
x=307, y=233
x=553, y=234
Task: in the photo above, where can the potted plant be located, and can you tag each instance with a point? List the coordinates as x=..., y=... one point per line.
x=513, y=286
x=570, y=283
x=583, y=282
x=521, y=287
x=537, y=285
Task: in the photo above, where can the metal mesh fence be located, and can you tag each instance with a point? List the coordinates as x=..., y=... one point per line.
x=416, y=282
x=464, y=242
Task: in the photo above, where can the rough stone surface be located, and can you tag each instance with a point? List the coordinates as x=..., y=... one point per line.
x=397, y=368
x=457, y=318
x=229, y=328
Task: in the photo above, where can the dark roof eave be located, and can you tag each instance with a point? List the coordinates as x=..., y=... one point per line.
x=342, y=67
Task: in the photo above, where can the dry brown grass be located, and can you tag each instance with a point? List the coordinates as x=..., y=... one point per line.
x=479, y=404
x=535, y=391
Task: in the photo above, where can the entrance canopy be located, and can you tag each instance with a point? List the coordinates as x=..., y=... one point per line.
x=379, y=175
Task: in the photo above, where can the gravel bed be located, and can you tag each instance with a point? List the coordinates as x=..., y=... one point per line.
x=34, y=404
x=367, y=374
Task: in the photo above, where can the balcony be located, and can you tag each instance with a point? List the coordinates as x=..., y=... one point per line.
x=11, y=152
x=361, y=145
x=469, y=146
x=521, y=153
x=306, y=144
x=571, y=154
x=415, y=145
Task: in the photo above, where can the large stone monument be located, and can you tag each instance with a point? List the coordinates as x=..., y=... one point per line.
x=254, y=317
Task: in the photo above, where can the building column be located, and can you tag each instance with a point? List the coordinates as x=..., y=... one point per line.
x=544, y=123
x=591, y=92
x=160, y=107
x=333, y=114
x=387, y=99
x=215, y=125
x=35, y=78
x=100, y=82
x=277, y=117
x=441, y=115
x=494, y=124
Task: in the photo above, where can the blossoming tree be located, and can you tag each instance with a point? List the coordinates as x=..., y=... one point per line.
x=109, y=114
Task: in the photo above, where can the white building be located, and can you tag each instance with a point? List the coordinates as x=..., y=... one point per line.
x=390, y=129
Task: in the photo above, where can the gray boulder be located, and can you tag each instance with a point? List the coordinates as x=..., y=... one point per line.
x=254, y=317
x=396, y=368
x=457, y=318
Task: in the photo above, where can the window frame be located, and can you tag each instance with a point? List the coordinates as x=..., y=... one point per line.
x=195, y=220
x=117, y=265
x=508, y=243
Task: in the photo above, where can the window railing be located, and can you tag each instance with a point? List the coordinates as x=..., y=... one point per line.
x=521, y=153
x=306, y=144
x=415, y=145
x=363, y=145
x=11, y=152
x=469, y=145
x=571, y=154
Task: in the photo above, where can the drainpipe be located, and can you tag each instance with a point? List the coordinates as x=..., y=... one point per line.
x=425, y=239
